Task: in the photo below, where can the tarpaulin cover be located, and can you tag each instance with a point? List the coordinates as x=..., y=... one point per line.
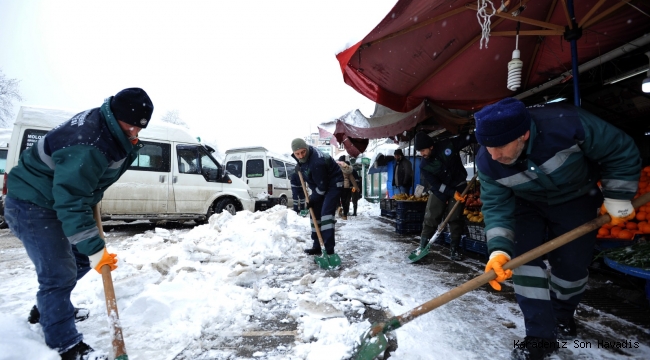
x=353, y=130
x=429, y=49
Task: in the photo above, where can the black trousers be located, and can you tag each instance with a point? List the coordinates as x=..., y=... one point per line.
x=346, y=194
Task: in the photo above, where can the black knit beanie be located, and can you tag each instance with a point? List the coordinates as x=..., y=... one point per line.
x=423, y=141
x=132, y=106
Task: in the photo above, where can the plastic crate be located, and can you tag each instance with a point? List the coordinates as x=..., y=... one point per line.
x=415, y=206
x=473, y=245
x=388, y=213
x=388, y=204
x=408, y=227
x=476, y=231
x=407, y=215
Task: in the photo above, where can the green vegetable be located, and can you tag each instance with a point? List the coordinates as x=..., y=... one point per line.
x=637, y=255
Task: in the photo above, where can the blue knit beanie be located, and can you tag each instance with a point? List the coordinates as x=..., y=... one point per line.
x=501, y=123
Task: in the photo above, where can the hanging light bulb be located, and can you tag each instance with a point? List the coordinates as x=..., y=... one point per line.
x=515, y=66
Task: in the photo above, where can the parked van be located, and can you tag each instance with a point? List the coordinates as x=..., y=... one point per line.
x=174, y=177
x=264, y=172
x=5, y=136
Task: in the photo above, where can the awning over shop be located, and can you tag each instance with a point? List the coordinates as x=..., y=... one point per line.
x=353, y=130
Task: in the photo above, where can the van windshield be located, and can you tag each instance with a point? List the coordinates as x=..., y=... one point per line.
x=234, y=167
x=254, y=168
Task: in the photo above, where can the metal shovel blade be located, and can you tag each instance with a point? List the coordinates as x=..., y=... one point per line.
x=370, y=347
x=419, y=254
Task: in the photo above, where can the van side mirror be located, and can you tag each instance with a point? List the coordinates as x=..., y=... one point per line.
x=213, y=175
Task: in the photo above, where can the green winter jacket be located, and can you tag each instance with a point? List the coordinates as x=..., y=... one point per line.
x=69, y=169
x=568, y=151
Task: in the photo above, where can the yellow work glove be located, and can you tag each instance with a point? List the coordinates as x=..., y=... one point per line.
x=101, y=258
x=459, y=197
x=496, y=262
x=619, y=210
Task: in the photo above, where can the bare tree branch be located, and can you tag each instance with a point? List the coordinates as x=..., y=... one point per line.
x=173, y=117
x=8, y=94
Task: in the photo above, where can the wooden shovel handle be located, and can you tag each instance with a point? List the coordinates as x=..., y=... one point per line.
x=512, y=264
x=311, y=211
x=111, y=303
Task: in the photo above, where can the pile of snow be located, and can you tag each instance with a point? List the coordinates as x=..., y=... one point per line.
x=177, y=287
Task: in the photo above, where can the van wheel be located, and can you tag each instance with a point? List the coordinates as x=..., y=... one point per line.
x=226, y=205
x=283, y=200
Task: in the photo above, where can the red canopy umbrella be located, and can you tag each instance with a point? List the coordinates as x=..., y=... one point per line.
x=426, y=49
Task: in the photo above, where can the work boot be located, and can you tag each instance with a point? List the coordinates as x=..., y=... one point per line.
x=424, y=240
x=344, y=217
x=455, y=254
x=532, y=348
x=82, y=351
x=329, y=252
x=80, y=314
x=565, y=329
x=314, y=251
x=340, y=211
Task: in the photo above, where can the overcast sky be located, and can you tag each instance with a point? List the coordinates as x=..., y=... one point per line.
x=239, y=72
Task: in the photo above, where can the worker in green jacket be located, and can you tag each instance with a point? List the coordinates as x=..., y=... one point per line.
x=539, y=169
x=443, y=169
x=50, y=200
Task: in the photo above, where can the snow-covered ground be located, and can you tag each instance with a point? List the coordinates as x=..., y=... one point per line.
x=243, y=281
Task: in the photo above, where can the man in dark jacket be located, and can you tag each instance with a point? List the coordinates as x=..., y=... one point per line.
x=402, y=173
x=356, y=193
x=324, y=177
x=297, y=193
x=50, y=200
x=447, y=177
x=540, y=166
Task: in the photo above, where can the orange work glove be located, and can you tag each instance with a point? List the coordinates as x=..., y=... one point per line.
x=619, y=210
x=459, y=197
x=101, y=258
x=496, y=262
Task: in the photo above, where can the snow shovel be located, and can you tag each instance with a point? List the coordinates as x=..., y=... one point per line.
x=420, y=253
x=324, y=261
x=373, y=342
x=111, y=304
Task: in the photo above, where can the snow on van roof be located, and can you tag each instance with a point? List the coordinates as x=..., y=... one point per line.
x=285, y=158
x=49, y=118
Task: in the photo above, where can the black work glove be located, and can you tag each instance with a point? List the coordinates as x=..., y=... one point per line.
x=316, y=198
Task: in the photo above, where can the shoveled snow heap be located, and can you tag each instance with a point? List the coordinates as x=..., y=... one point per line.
x=200, y=293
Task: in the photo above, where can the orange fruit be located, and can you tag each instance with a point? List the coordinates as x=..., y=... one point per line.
x=625, y=234
x=645, y=228
x=603, y=232
x=641, y=215
x=631, y=226
x=607, y=226
x=615, y=230
x=643, y=184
